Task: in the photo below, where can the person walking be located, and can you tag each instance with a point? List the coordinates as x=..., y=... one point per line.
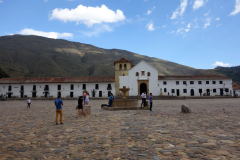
x=59, y=103
x=80, y=106
x=87, y=99
x=110, y=100
x=151, y=101
x=28, y=102
x=143, y=95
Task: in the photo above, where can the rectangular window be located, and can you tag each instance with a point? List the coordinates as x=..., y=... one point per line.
x=173, y=90
x=22, y=88
x=184, y=90
x=220, y=82
x=200, y=90
x=71, y=94
x=46, y=87
x=165, y=89
x=34, y=87
x=185, y=82
x=96, y=86
x=191, y=82
x=59, y=87
x=214, y=90
x=213, y=82
x=164, y=82
x=207, y=82
x=109, y=87
x=9, y=88
x=143, y=73
x=199, y=82
x=177, y=82
x=72, y=87
x=84, y=86
x=226, y=90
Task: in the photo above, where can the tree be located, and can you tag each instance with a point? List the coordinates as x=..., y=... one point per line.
x=3, y=74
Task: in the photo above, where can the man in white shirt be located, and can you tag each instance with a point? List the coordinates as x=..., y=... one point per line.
x=143, y=95
x=28, y=102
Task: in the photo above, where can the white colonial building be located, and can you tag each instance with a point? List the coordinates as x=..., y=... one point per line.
x=139, y=78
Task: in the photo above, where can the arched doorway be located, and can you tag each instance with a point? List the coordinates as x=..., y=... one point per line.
x=143, y=88
x=192, y=92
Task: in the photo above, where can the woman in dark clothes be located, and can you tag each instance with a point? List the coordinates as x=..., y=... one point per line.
x=80, y=106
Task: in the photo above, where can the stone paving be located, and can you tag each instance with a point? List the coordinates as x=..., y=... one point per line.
x=209, y=132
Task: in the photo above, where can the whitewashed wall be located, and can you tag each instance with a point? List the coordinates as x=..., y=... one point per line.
x=171, y=84
x=53, y=89
x=131, y=81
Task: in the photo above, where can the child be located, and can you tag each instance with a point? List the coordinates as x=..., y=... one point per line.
x=80, y=106
x=28, y=102
x=87, y=99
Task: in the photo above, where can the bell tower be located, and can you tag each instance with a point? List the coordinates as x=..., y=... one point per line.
x=122, y=66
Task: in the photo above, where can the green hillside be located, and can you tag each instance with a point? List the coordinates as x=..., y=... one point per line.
x=34, y=56
x=232, y=72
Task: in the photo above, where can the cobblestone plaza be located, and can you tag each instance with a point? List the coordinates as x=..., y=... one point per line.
x=211, y=131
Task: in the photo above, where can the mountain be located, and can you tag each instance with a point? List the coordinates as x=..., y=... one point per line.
x=233, y=72
x=3, y=74
x=34, y=56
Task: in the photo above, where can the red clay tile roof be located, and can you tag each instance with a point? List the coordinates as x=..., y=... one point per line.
x=57, y=80
x=122, y=60
x=200, y=77
x=236, y=86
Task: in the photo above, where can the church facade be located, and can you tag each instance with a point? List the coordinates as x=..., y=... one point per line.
x=139, y=78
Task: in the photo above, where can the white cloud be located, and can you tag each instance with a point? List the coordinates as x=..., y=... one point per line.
x=164, y=26
x=54, y=35
x=150, y=11
x=207, y=23
x=237, y=8
x=180, y=10
x=150, y=26
x=217, y=19
x=45, y=0
x=97, y=30
x=206, y=14
x=189, y=25
x=199, y=3
x=1, y=1
x=218, y=25
x=88, y=15
x=217, y=63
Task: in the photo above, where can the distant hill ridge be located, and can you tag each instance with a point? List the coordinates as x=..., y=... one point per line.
x=34, y=56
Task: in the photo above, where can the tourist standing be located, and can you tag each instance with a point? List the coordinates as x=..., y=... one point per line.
x=151, y=101
x=28, y=102
x=80, y=106
x=143, y=95
x=87, y=99
x=84, y=96
x=58, y=103
x=110, y=100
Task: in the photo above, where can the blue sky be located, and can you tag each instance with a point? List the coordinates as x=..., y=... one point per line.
x=197, y=33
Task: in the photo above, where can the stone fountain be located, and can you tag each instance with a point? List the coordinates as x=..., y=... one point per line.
x=124, y=103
